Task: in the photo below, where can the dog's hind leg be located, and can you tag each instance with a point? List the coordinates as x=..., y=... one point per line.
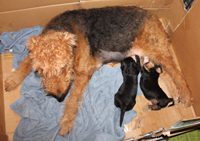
x=16, y=77
x=154, y=43
x=84, y=67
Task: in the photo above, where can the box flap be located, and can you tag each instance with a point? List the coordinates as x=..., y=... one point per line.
x=186, y=45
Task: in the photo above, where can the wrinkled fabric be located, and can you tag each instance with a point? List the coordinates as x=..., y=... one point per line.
x=97, y=119
x=15, y=42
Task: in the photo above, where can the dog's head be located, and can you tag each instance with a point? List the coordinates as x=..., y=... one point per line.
x=150, y=68
x=153, y=71
x=130, y=67
x=52, y=57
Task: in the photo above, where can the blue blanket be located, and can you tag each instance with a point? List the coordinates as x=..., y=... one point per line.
x=97, y=119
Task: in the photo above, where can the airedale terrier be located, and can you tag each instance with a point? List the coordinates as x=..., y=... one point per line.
x=76, y=43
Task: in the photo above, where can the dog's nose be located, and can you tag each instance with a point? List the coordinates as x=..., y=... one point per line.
x=60, y=97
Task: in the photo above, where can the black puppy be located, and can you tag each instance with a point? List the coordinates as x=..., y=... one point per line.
x=151, y=89
x=125, y=97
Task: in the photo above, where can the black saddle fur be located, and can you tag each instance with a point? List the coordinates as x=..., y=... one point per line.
x=109, y=29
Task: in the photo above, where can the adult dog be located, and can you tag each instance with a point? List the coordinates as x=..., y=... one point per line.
x=76, y=43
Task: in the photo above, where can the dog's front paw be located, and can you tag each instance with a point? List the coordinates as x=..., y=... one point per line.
x=10, y=83
x=65, y=126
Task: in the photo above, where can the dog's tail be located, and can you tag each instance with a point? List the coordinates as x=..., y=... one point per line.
x=122, y=115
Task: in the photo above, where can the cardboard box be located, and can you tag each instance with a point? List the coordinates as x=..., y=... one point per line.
x=183, y=26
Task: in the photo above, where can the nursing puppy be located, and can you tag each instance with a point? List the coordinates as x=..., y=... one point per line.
x=125, y=97
x=151, y=89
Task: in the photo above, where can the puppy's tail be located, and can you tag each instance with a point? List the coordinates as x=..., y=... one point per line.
x=122, y=116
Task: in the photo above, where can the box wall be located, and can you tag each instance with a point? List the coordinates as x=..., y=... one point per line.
x=4, y=137
x=11, y=118
x=10, y=5
x=2, y=111
x=27, y=17
x=187, y=48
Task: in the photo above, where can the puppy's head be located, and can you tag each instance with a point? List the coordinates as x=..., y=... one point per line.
x=52, y=57
x=150, y=67
x=130, y=67
x=153, y=72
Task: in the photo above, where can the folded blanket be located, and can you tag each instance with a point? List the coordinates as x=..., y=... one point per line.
x=97, y=119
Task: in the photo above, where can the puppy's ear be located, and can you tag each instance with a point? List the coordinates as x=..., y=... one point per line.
x=145, y=68
x=158, y=68
x=147, y=65
x=146, y=60
x=137, y=58
x=138, y=62
x=122, y=65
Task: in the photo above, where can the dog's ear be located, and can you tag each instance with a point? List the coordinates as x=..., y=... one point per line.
x=122, y=65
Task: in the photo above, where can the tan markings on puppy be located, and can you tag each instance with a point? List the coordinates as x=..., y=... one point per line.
x=147, y=63
x=84, y=66
x=52, y=56
x=154, y=43
x=16, y=77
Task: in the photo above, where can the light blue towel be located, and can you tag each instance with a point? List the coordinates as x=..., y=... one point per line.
x=97, y=119
x=15, y=42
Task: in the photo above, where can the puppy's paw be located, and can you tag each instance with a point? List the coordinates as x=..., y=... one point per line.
x=154, y=107
x=65, y=126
